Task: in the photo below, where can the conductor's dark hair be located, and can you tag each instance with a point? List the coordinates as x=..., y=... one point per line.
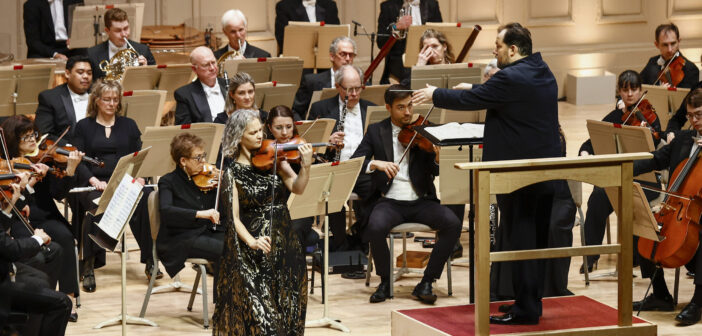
x=664, y=28
x=391, y=94
x=694, y=98
x=517, y=35
x=71, y=62
x=629, y=79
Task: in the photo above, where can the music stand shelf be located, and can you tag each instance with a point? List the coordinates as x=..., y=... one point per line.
x=447, y=142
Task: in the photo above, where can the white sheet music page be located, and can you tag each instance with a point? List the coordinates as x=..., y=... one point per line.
x=120, y=207
x=454, y=130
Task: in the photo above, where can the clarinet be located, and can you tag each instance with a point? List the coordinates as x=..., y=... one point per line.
x=340, y=124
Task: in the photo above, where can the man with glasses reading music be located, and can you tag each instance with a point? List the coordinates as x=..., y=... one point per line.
x=202, y=99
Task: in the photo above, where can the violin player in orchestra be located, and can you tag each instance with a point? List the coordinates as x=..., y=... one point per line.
x=524, y=83
x=342, y=51
x=434, y=48
x=402, y=190
x=190, y=226
x=66, y=104
x=679, y=119
x=685, y=146
x=117, y=30
x=598, y=206
x=235, y=28
x=349, y=111
x=40, y=192
x=670, y=68
x=303, y=10
x=106, y=135
x=262, y=287
x=203, y=99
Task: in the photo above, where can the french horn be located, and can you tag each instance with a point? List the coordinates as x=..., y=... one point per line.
x=114, y=69
x=231, y=54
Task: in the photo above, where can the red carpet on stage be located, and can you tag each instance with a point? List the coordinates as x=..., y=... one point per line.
x=568, y=312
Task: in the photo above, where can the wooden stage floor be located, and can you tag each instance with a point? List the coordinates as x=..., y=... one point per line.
x=349, y=298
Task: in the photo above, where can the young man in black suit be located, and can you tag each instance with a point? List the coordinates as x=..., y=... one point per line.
x=204, y=98
x=117, y=29
x=303, y=10
x=522, y=123
x=342, y=51
x=46, y=28
x=348, y=84
x=667, y=41
x=66, y=104
x=409, y=197
x=235, y=28
x=686, y=145
x=389, y=20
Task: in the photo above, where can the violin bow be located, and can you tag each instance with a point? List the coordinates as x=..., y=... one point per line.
x=19, y=214
x=55, y=143
x=667, y=65
x=4, y=150
x=409, y=145
x=219, y=184
x=636, y=106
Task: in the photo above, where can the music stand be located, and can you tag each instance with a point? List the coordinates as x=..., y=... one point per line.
x=144, y=107
x=665, y=101
x=269, y=95
x=317, y=130
x=259, y=71
x=88, y=25
x=31, y=80
x=7, y=92
x=445, y=75
x=301, y=38
x=454, y=32
x=327, y=191
x=140, y=77
x=173, y=76
x=159, y=162
x=286, y=70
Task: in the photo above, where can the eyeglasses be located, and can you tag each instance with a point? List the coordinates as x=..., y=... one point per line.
x=30, y=136
x=201, y=157
x=352, y=90
x=343, y=54
x=696, y=115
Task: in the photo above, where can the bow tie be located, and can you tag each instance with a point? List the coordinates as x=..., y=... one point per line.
x=80, y=98
x=213, y=91
x=115, y=49
x=309, y=3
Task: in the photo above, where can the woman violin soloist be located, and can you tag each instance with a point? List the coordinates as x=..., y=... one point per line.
x=598, y=205
x=682, y=158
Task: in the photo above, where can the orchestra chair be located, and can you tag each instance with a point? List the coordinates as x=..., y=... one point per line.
x=397, y=273
x=155, y=221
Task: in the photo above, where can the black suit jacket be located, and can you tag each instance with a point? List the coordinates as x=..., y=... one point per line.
x=13, y=250
x=649, y=74
x=250, y=52
x=101, y=52
x=390, y=10
x=329, y=108
x=191, y=103
x=522, y=110
x=310, y=83
x=680, y=117
x=39, y=26
x=55, y=112
x=669, y=156
x=377, y=145
x=293, y=10
x=179, y=201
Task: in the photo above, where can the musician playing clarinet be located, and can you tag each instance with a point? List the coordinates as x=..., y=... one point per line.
x=521, y=123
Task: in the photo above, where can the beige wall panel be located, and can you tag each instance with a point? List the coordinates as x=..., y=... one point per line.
x=546, y=12
x=621, y=11
x=483, y=12
x=684, y=9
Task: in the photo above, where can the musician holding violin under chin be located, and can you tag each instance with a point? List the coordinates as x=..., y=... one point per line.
x=403, y=191
x=598, y=206
x=189, y=221
x=682, y=72
x=686, y=145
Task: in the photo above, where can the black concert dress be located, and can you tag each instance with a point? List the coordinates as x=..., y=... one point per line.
x=259, y=294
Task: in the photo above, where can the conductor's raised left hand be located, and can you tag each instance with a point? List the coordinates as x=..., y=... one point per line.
x=423, y=95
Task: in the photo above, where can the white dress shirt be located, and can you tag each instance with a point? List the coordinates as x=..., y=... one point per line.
x=214, y=98
x=331, y=71
x=242, y=49
x=401, y=188
x=59, y=21
x=80, y=104
x=353, y=130
x=311, y=9
x=416, y=13
x=112, y=49
x=694, y=145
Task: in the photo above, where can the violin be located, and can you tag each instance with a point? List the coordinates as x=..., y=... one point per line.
x=672, y=73
x=49, y=151
x=679, y=217
x=22, y=165
x=641, y=112
x=270, y=151
x=207, y=179
x=407, y=134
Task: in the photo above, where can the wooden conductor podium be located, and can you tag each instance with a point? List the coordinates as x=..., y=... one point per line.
x=502, y=177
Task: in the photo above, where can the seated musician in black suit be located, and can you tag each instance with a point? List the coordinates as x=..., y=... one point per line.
x=389, y=20
x=348, y=84
x=33, y=297
x=303, y=10
x=686, y=145
x=203, y=99
x=188, y=215
x=342, y=51
x=667, y=40
x=117, y=29
x=235, y=28
x=46, y=27
x=66, y=104
x=410, y=197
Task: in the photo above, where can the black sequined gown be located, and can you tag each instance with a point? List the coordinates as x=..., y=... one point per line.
x=259, y=294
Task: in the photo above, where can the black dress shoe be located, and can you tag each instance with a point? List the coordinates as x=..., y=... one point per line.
x=505, y=308
x=690, y=274
x=690, y=314
x=457, y=251
x=149, y=267
x=511, y=319
x=89, y=282
x=424, y=293
x=590, y=267
x=73, y=317
x=654, y=303
x=382, y=293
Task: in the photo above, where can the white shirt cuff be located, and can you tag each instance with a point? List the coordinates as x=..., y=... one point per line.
x=29, y=189
x=9, y=215
x=39, y=240
x=368, y=168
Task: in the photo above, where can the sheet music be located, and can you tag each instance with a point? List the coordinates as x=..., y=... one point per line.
x=120, y=207
x=454, y=130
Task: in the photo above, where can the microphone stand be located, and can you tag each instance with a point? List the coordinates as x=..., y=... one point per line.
x=371, y=36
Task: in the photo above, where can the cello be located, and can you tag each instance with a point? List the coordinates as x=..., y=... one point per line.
x=679, y=217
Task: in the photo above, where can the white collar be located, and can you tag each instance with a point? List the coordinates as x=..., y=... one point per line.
x=113, y=48
x=242, y=49
x=309, y=3
x=214, y=89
